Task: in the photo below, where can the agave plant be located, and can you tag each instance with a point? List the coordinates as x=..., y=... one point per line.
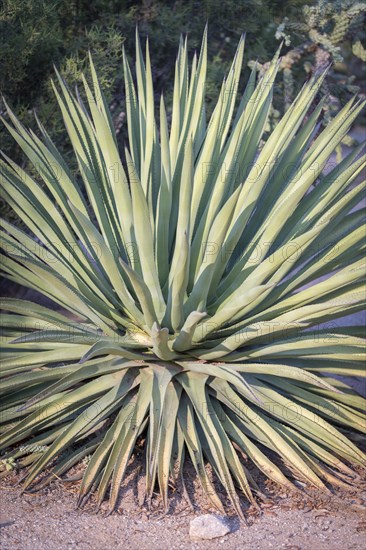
x=194, y=278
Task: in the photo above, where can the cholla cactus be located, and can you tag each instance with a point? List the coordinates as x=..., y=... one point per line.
x=190, y=274
x=325, y=27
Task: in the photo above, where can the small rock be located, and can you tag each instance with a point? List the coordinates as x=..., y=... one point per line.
x=208, y=526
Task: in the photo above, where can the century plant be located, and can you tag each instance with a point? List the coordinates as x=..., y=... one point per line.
x=193, y=280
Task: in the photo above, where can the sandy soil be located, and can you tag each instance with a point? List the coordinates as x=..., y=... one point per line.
x=301, y=521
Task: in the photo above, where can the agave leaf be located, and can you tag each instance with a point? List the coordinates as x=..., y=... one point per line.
x=160, y=339
x=129, y=439
x=163, y=376
x=195, y=387
x=31, y=360
x=144, y=297
x=110, y=348
x=57, y=406
x=296, y=190
x=283, y=371
x=184, y=339
x=108, y=263
x=347, y=396
x=92, y=168
x=46, y=164
x=164, y=203
x=185, y=197
x=100, y=456
x=144, y=238
x=288, y=164
x=174, y=315
x=188, y=426
x=322, y=431
x=70, y=460
x=113, y=171
x=166, y=433
x=132, y=112
x=331, y=410
x=254, y=453
x=316, y=450
x=258, y=425
x=122, y=384
x=25, y=307
x=200, y=290
x=92, y=368
x=81, y=268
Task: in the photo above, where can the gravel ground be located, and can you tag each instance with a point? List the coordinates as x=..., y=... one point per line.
x=49, y=520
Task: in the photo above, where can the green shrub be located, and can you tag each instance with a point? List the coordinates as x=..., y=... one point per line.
x=183, y=275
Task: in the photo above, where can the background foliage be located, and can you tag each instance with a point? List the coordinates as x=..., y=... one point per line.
x=35, y=34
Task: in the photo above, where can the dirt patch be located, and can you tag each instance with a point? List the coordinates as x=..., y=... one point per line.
x=302, y=521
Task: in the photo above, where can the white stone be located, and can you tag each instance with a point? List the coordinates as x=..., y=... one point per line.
x=208, y=526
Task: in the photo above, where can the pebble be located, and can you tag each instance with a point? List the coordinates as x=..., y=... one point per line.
x=208, y=526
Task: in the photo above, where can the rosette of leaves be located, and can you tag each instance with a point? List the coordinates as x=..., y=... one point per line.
x=186, y=289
